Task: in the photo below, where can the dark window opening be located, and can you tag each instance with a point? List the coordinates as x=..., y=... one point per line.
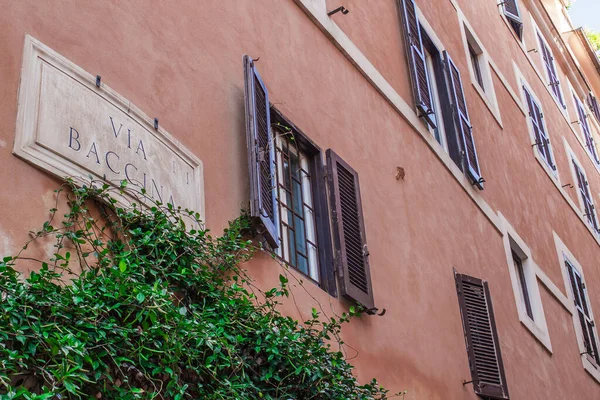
x=522, y=284
x=476, y=67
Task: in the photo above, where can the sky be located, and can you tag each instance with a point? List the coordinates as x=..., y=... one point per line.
x=586, y=13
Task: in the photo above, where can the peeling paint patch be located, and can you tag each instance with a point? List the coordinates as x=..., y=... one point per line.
x=3, y=143
x=6, y=245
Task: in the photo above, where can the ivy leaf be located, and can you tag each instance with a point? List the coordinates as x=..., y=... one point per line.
x=122, y=266
x=140, y=297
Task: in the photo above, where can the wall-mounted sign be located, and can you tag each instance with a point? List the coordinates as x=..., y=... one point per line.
x=71, y=128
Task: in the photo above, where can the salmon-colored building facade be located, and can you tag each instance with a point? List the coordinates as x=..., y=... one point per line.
x=470, y=126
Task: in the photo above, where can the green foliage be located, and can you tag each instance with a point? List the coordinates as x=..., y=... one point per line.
x=594, y=38
x=159, y=309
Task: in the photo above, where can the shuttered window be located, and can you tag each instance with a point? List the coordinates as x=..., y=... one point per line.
x=593, y=103
x=511, y=11
x=586, y=197
x=542, y=141
x=550, y=66
x=261, y=154
x=585, y=129
x=586, y=320
x=350, y=245
x=417, y=62
x=481, y=338
x=462, y=123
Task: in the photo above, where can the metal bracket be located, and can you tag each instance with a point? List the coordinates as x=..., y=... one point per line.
x=467, y=382
x=98, y=80
x=569, y=185
x=532, y=50
x=343, y=9
x=156, y=123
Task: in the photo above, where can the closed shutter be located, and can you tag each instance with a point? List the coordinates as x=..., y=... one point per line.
x=593, y=103
x=462, y=123
x=261, y=153
x=416, y=60
x=481, y=338
x=541, y=137
x=553, y=81
x=584, y=190
x=584, y=314
x=511, y=10
x=350, y=245
x=585, y=128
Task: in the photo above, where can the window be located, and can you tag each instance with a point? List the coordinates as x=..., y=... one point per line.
x=481, y=337
x=297, y=224
x=593, y=104
x=587, y=202
x=518, y=264
x=580, y=297
x=551, y=72
x=474, y=55
x=537, y=126
x=590, y=145
x=436, y=82
x=513, y=16
x=288, y=200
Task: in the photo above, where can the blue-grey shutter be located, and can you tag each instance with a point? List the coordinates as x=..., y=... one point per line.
x=261, y=154
x=585, y=127
x=584, y=190
x=416, y=61
x=462, y=123
x=593, y=103
x=541, y=137
x=481, y=337
x=554, y=82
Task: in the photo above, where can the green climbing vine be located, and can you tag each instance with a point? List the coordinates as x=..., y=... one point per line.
x=146, y=304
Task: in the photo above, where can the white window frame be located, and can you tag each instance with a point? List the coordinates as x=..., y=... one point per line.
x=537, y=326
x=573, y=158
x=581, y=136
x=564, y=254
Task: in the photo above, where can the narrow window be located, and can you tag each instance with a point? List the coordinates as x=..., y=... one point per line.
x=542, y=140
x=518, y=263
x=585, y=129
x=593, y=104
x=584, y=314
x=299, y=246
x=551, y=71
x=511, y=11
x=475, y=64
x=589, y=211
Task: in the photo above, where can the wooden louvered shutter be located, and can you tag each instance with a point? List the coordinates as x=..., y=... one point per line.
x=584, y=190
x=261, y=153
x=585, y=128
x=416, y=60
x=580, y=299
x=541, y=137
x=462, y=123
x=548, y=59
x=511, y=10
x=593, y=103
x=481, y=338
x=350, y=245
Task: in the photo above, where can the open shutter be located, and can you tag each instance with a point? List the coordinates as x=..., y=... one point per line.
x=585, y=128
x=481, y=338
x=350, y=245
x=593, y=103
x=580, y=299
x=584, y=190
x=553, y=81
x=541, y=137
x=416, y=60
x=511, y=10
x=261, y=153
x=462, y=123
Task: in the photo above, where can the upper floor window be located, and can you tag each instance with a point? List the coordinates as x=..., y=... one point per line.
x=536, y=118
x=511, y=11
x=590, y=145
x=475, y=64
x=524, y=290
x=435, y=74
x=585, y=195
x=551, y=71
x=584, y=315
x=593, y=104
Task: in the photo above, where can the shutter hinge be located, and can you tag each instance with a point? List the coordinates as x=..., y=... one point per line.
x=365, y=251
x=261, y=154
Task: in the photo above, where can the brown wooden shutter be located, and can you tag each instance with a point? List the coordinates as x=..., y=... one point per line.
x=261, y=153
x=481, y=338
x=554, y=82
x=350, y=244
x=541, y=137
x=511, y=10
x=462, y=123
x=416, y=60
